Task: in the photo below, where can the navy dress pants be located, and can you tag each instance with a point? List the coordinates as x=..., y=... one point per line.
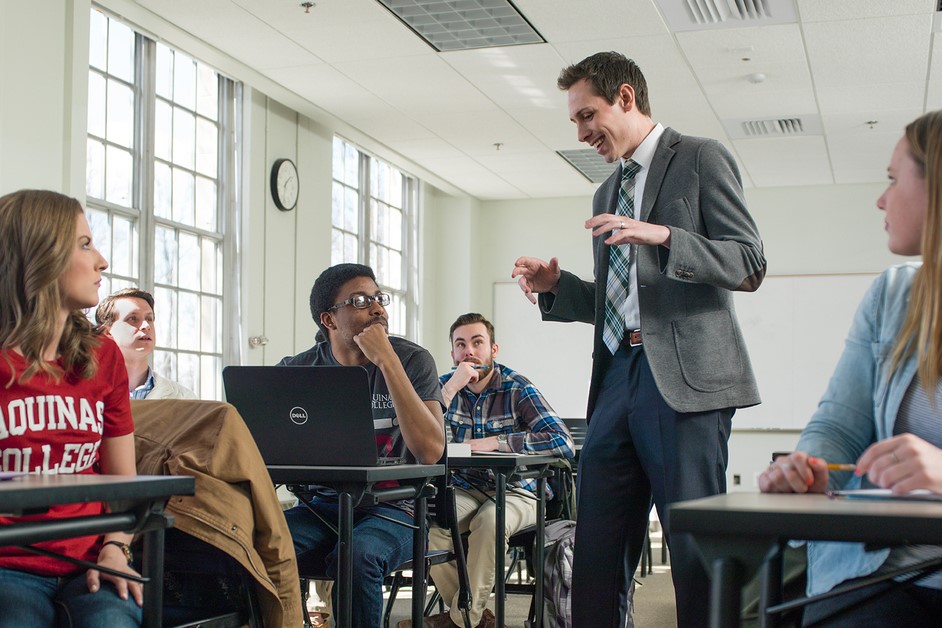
x=639, y=451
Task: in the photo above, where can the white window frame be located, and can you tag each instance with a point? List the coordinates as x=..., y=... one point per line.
x=141, y=213
x=408, y=293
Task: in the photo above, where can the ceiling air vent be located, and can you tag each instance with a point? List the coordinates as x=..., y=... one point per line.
x=773, y=127
x=782, y=126
x=589, y=163
x=715, y=11
x=694, y=15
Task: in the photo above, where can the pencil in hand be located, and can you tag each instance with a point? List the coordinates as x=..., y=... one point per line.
x=833, y=466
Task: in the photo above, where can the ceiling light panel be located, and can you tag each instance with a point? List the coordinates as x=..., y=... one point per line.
x=465, y=24
x=589, y=163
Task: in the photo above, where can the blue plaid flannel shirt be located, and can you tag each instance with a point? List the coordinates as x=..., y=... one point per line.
x=144, y=389
x=511, y=405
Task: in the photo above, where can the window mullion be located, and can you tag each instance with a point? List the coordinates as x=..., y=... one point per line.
x=364, y=209
x=230, y=214
x=409, y=253
x=147, y=112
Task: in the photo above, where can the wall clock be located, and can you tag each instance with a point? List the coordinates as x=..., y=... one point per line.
x=284, y=184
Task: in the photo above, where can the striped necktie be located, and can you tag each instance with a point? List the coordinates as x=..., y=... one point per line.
x=619, y=263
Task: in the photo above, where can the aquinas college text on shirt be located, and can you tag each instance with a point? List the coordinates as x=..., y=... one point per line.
x=48, y=414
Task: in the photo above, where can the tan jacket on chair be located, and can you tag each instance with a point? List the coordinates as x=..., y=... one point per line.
x=235, y=507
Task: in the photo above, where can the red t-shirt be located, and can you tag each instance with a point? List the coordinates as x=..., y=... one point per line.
x=56, y=427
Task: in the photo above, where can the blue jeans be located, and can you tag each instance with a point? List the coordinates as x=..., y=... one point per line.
x=30, y=600
x=379, y=546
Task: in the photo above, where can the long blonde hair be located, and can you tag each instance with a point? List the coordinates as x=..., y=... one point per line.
x=922, y=329
x=37, y=239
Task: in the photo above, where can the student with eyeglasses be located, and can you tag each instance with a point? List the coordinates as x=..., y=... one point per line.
x=350, y=311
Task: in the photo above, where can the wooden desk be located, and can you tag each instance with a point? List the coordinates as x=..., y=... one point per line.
x=137, y=504
x=739, y=532
x=354, y=484
x=507, y=468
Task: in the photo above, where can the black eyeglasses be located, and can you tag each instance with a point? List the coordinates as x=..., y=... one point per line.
x=362, y=301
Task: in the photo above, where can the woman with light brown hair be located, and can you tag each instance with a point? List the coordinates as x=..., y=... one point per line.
x=882, y=410
x=64, y=409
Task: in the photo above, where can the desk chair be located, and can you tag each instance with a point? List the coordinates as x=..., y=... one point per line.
x=204, y=586
x=577, y=429
x=442, y=512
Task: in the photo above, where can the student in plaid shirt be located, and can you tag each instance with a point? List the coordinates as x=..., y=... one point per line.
x=495, y=409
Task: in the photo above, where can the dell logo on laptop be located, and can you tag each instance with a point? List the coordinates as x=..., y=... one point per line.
x=298, y=415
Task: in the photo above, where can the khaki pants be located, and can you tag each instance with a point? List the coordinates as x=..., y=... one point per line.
x=477, y=514
x=319, y=600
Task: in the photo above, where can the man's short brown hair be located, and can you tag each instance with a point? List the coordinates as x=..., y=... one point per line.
x=105, y=316
x=606, y=73
x=469, y=319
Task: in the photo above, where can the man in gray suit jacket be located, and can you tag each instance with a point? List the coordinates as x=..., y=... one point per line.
x=672, y=239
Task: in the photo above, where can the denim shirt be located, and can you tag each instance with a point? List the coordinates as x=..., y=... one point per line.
x=858, y=409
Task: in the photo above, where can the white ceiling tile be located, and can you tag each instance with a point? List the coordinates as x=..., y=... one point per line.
x=859, y=158
x=870, y=96
x=476, y=133
x=391, y=125
x=692, y=115
x=233, y=30
x=375, y=39
x=786, y=90
x=552, y=126
x=514, y=76
x=856, y=52
x=475, y=179
x=785, y=161
x=345, y=97
x=565, y=20
x=819, y=11
x=330, y=13
x=891, y=121
x=426, y=152
x=417, y=85
x=540, y=175
x=729, y=48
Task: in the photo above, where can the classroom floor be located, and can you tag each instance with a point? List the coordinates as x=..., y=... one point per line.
x=654, y=598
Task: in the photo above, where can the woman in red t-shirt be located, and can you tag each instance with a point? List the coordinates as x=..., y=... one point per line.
x=63, y=409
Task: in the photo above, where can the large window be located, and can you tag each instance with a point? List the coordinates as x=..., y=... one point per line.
x=374, y=223
x=161, y=190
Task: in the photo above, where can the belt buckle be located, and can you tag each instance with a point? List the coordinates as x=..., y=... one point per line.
x=630, y=334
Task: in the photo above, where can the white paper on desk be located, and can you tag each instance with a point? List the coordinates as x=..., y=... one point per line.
x=920, y=495
x=9, y=475
x=495, y=453
x=459, y=450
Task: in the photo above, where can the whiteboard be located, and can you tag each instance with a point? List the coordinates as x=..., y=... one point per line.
x=794, y=328
x=556, y=357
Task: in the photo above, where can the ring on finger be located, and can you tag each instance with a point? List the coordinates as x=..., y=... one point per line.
x=785, y=466
x=894, y=458
x=621, y=225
